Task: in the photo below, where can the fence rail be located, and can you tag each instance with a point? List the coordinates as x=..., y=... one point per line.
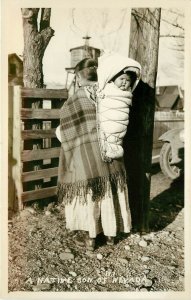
x=39, y=194
x=39, y=174
x=37, y=134
x=44, y=93
x=45, y=114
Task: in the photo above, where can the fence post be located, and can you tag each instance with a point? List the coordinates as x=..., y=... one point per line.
x=11, y=190
x=17, y=145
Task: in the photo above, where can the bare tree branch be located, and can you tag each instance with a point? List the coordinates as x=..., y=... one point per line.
x=142, y=17
x=105, y=19
x=172, y=35
x=30, y=16
x=173, y=24
x=28, y=13
x=46, y=35
x=174, y=48
x=45, y=18
x=174, y=12
x=74, y=23
x=120, y=25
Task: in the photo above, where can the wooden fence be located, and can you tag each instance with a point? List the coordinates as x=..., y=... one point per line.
x=33, y=146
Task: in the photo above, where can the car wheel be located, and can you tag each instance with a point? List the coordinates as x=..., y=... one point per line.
x=171, y=171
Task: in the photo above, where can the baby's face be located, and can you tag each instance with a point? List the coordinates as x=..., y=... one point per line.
x=123, y=82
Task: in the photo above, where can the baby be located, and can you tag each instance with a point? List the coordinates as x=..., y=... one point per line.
x=117, y=78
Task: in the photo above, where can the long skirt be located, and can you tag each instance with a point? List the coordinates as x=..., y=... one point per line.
x=109, y=215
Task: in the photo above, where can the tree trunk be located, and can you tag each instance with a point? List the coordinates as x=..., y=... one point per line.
x=144, y=41
x=144, y=44
x=35, y=43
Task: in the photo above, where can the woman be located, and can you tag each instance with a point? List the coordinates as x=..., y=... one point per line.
x=94, y=192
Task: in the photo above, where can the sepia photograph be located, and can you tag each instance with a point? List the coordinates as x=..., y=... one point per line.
x=96, y=102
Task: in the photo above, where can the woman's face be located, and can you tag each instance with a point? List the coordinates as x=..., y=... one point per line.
x=123, y=82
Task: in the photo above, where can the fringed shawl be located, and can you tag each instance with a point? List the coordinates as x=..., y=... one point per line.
x=81, y=169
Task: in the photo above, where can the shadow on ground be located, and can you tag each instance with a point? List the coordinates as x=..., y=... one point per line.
x=165, y=207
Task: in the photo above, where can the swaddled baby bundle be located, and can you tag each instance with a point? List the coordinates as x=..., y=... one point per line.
x=113, y=118
x=113, y=104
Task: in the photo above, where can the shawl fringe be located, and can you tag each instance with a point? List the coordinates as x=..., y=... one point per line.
x=99, y=187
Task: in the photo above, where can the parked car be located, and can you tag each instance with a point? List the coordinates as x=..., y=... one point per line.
x=172, y=153
x=168, y=143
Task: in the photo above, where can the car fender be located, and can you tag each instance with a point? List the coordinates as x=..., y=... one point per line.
x=170, y=135
x=173, y=137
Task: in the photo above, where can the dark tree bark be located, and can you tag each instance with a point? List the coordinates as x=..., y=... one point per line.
x=144, y=44
x=35, y=42
x=144, y=41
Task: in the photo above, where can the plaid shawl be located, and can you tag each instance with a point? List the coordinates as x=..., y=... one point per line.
x=81, y=169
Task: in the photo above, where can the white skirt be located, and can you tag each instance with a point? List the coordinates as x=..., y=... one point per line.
x=109, y=215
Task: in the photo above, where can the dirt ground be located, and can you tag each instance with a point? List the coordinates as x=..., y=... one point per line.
x=44, y=257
